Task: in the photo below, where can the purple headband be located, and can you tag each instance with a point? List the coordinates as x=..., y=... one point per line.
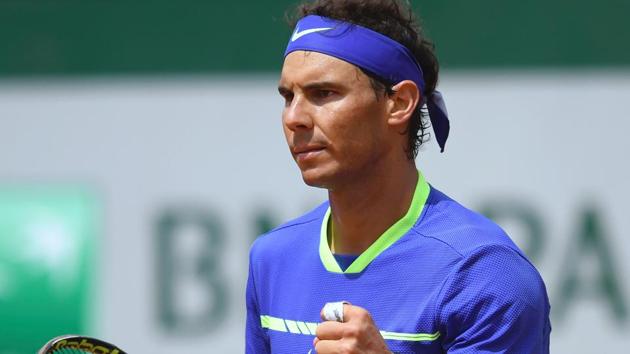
x=372, y=51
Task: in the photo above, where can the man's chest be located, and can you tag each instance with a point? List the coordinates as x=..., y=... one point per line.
x=401, y=303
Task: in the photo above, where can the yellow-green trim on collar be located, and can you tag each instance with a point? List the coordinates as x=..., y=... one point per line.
x=391, y=235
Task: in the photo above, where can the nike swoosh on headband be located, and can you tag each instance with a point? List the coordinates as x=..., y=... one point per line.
x=296, y=35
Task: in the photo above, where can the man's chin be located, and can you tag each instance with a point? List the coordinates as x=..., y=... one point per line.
x=314, y=178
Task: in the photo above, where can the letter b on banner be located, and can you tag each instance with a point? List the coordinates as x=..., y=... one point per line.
x=192, y=294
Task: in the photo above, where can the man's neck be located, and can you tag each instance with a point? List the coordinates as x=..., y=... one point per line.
x=361, y=214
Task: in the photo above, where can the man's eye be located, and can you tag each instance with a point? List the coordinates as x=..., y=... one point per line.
x=287, y=98
x=324, y=93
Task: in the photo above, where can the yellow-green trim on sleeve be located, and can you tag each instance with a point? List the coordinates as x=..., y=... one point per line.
x=310, y=329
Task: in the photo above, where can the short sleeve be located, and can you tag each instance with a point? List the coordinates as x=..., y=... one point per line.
x=494, y=301
x=255, y=338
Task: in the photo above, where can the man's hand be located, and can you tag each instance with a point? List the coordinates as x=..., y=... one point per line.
x=357, y=334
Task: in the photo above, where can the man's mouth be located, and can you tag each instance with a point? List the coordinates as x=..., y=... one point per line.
x=306, y=152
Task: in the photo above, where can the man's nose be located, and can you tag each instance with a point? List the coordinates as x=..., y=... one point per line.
x=297, y=114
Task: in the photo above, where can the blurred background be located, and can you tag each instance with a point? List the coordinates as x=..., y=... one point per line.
x=141, y=153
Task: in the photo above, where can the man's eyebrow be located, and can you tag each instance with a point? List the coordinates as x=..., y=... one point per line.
x=322, y=84
x=312, y=86
x=283, y=90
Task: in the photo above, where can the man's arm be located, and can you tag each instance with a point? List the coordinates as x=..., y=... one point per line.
x=256, y=341
x=494, y=301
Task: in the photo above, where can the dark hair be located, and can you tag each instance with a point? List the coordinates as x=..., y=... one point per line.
x=397, y=21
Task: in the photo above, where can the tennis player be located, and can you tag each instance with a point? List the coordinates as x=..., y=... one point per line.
x=389, y=264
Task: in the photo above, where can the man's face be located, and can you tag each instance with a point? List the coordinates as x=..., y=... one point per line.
x=335, y=126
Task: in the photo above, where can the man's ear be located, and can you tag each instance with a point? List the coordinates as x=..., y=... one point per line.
x=403, y=102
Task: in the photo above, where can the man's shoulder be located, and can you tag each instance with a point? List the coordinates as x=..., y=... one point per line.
x=490, y=270
x=459, y=228
x=305, y=228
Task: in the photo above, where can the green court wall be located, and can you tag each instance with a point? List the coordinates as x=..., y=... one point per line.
x=94, y=37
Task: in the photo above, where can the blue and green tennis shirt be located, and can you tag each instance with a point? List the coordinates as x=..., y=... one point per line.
x=442, y=279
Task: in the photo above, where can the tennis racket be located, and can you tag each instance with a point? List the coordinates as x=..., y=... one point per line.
x=72, y=344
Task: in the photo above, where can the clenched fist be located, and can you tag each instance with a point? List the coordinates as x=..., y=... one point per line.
x=357, y=334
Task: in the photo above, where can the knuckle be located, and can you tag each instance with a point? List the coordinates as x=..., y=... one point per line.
x=364, y=315
x=351, y=331
x=352, y=347
x=348, y=347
